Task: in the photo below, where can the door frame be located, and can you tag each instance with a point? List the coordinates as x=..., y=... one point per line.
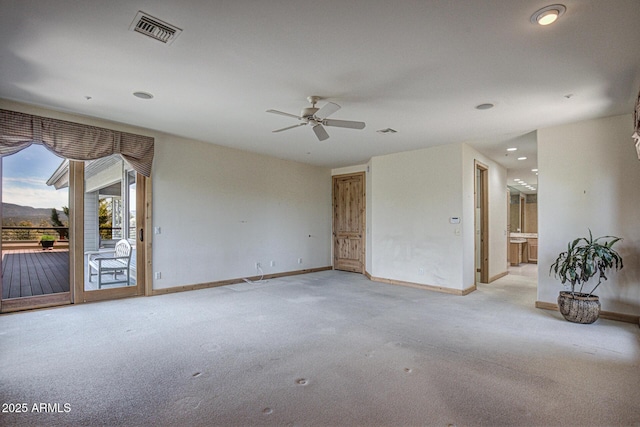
x=484, y=218
x=363, y=217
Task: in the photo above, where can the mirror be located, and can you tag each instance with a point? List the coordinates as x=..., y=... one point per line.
x=523, y=211
x=516, y=210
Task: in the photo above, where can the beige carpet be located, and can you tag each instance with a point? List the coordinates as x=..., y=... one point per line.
x=323, y=349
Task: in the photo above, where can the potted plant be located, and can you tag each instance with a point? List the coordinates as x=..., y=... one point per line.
x=47, y=241
x=583, y=259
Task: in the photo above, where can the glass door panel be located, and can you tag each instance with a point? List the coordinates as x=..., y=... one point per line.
x=35, y=230
x=109, y=248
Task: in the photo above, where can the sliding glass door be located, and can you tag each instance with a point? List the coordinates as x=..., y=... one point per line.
x=71, y=231
x=35, y=230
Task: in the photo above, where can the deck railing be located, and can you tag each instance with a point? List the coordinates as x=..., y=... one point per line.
x=110, y=232
x=24, y=234
x=13, y=233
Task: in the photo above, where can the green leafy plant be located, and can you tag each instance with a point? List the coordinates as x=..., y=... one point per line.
x=584, y=258
x=47, y=238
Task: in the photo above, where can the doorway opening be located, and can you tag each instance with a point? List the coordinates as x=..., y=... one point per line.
x=481, y=204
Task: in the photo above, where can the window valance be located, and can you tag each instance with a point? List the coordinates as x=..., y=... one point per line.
x=73, y=141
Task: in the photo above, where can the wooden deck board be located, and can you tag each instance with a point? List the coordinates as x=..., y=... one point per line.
x=28, y=272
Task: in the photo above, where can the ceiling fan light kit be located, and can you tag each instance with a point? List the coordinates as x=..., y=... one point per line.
x=317, y=118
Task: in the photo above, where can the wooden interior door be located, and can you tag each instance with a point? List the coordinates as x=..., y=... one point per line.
x=349, y=222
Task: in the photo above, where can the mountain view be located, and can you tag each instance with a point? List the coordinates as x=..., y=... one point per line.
x=13, y=214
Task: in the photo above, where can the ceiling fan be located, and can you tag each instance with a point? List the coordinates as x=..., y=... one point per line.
x=317, y=118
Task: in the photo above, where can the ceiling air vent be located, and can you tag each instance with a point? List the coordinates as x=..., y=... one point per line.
x=155, y=28
x=387, y=131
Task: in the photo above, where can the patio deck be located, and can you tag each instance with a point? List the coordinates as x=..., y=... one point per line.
x=29, y=272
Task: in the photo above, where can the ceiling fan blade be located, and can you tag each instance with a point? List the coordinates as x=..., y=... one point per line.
x=289, y=127
x=327, y=110
x=284, y=114
x=343, y=124
x=320, y=132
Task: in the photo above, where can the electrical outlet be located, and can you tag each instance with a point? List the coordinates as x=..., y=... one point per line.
x=299, y=260
x=421, y=271
x=258, y=265
x=273, y=263
x=157, y=275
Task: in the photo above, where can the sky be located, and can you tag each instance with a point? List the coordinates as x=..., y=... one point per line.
x=25, y=175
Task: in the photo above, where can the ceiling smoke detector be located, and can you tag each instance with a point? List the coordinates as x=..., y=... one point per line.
x=154, y=28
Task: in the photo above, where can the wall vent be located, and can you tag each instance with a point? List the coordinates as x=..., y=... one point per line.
x=154, y=28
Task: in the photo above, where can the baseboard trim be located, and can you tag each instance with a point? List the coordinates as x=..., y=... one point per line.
x=609, y=315
x=498, y=276
x=459, y=292
x=234, y=281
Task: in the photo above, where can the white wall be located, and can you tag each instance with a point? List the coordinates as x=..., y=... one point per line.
x=589, y=178
x=411, y=199
x=455, y=166
x=413, y=195
x=221, y=210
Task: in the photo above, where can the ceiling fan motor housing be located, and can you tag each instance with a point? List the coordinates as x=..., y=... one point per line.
x=308, y=112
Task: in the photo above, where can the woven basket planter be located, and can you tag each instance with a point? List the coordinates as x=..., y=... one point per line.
x=579, y=308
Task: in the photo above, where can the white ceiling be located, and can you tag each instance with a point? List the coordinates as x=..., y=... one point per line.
x=419, y=67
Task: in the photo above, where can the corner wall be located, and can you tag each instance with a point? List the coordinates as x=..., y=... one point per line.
x=589, y=177
x=413, y=195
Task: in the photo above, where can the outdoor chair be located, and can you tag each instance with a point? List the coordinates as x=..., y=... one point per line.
x=114, y=262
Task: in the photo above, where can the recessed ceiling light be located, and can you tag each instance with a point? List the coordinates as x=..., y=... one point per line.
x=143, y=95
x=534, y=170
x=512, y=149
x=486, y=106
x=548, y=15
x=522, y=158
